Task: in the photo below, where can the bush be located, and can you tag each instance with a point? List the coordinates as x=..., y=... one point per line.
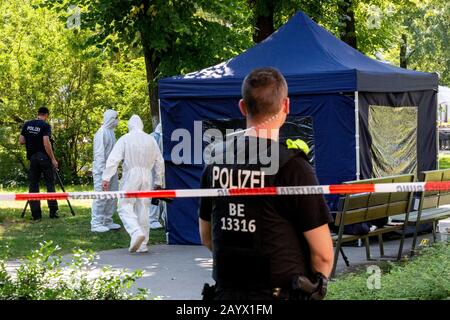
x=425, y=277
x=45, y=276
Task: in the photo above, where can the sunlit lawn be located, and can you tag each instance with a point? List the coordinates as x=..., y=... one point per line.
x=444, y=161
x=19, y=236
x=425, y=277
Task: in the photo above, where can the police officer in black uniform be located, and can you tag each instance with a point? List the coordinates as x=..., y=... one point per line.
x=36, y=135
x=264, y=247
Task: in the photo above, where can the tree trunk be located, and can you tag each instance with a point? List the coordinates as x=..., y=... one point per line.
x=347, y=17
x=264, y=28
x=263, y=11
x=403, y=49
x=151, y=64
x=150, y=68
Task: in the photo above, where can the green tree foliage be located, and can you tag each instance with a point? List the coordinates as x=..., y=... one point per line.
x=427, y=25
x=173, y=36
x=269, y=15
x=122, y=47
x=103, y=63
x=419, y=27
x=44, y=63
x=376, y=27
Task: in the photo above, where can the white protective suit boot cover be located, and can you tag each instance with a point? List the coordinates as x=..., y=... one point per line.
x=154, y=216
x=140, y=154
x=133, y=212
x=104, y=140
x=103, y=209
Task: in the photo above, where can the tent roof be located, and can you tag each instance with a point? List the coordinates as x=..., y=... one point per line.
x=312, y=60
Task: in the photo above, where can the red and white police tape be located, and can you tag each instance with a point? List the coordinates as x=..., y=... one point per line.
x=233, y=192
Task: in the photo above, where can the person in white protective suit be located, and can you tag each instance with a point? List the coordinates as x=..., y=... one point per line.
x=155, y=210
x=140, y=154
x=104, y=140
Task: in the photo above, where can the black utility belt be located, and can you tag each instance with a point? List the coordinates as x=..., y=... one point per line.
x=301, y=288
x=39, y=155
x=274, y=293
x=289, y=294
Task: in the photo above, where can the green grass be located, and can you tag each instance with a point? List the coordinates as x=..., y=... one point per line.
x=425, y=277
x=19, y=236
x=68, y=188
x=444, y=161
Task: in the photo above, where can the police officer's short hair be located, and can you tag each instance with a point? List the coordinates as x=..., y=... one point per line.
x=262, y=91
x=43, y=111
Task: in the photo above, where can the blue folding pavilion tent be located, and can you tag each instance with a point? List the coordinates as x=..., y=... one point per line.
x=346, y=94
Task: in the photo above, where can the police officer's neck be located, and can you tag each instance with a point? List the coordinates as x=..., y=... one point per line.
x=268, y=128
x=266, y=133
x=262, y=129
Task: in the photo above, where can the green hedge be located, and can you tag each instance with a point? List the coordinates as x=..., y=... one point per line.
x=425, y=277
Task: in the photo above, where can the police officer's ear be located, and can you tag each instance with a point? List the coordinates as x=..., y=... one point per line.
x=243, y=108
x=285, y=106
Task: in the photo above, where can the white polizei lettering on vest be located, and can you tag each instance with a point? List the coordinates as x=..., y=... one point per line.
x=254, y=178
x=245, y=178
x=35, y=129
x=230, y=177
x=224, y=183
x=246, y=175
x=215, y=175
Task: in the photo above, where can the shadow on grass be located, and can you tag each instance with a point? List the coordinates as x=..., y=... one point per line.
x=20, y=236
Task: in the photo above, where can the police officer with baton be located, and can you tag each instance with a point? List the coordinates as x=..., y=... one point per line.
x=264, y=247
x=36, y=135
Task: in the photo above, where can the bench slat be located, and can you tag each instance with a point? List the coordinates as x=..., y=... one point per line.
x=444, y=199
x=430, y=201
x=350, y=237
x=426, y=215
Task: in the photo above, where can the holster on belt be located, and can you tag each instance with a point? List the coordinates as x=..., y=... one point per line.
x=208, y=292
x=303, y=289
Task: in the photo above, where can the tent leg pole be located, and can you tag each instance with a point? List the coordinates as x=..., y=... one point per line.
x=358, y=173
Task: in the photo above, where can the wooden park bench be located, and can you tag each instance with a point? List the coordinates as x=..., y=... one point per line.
x=430, y=207
x=365, y=207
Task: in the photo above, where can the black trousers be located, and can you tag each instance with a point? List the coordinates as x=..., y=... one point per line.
x=40, y=164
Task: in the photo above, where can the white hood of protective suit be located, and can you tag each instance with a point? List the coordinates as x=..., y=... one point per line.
x=110, y=120
x=104, y=141
x=157, y=134
x=158, y=129
x=135, y=123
